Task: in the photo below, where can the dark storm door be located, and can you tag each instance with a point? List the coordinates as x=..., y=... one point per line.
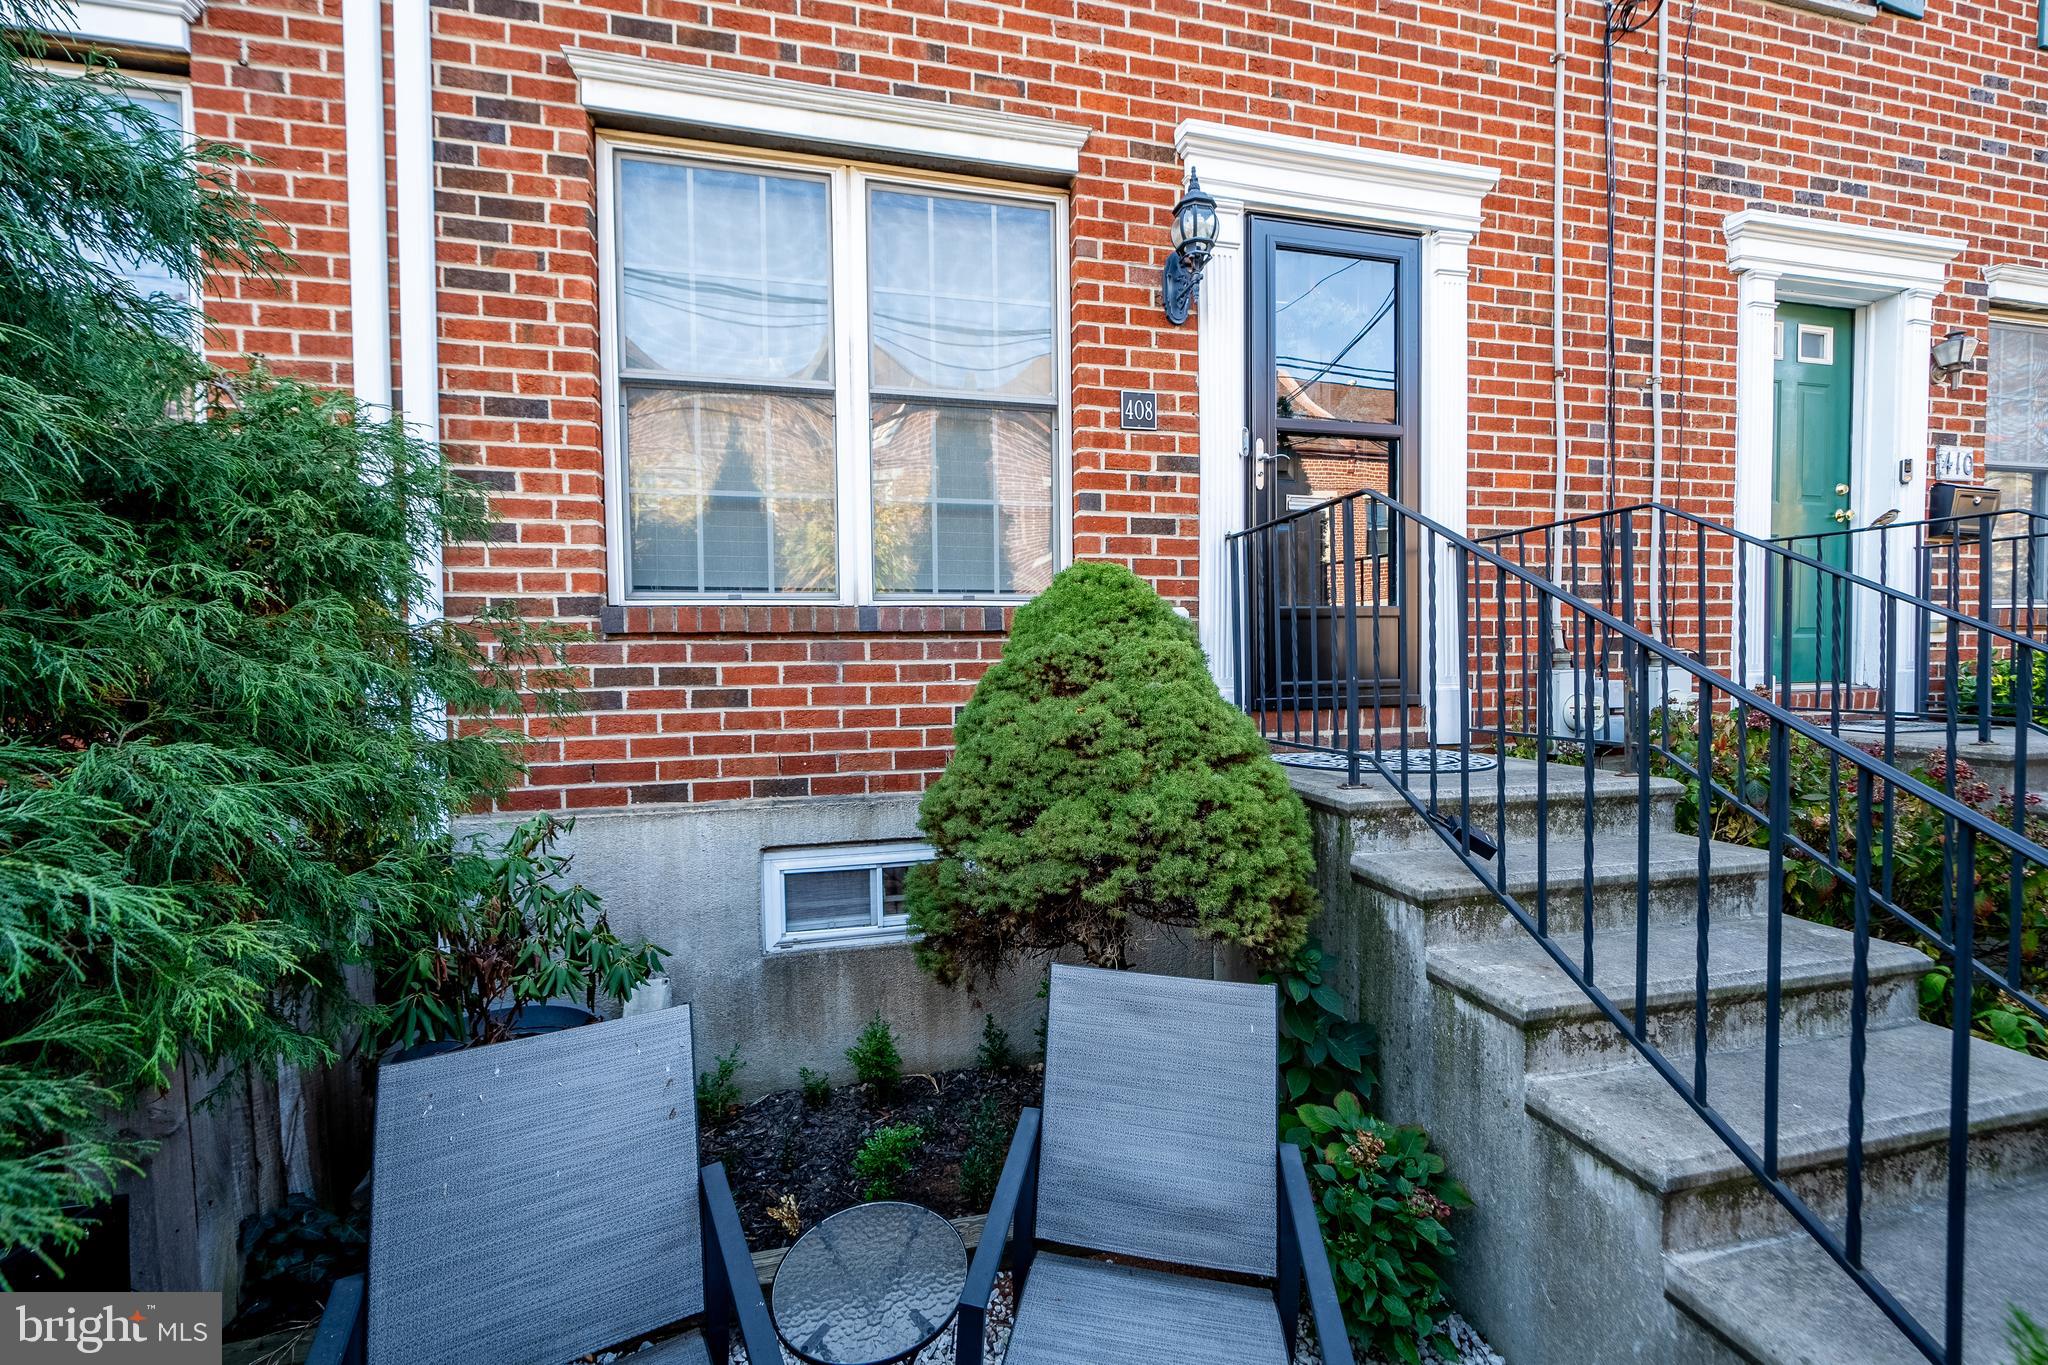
x=1334, y=318
x=1815, y=396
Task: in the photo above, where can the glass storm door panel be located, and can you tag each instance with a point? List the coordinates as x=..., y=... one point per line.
x=1333, y=316
x=1815, y=395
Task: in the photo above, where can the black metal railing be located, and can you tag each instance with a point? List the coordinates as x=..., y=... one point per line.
x=1494, y=655
x=1991, y=567
x=1800, y=620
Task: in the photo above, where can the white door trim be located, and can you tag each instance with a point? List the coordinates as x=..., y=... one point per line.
x=1890, y=279
x=1251, y=171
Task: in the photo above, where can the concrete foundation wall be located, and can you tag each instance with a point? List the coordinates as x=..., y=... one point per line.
x=688, y=877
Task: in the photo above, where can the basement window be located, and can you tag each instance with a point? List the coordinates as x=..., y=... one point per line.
x=838, y=895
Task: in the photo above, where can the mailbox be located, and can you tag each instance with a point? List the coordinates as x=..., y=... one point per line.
x=1949, y=504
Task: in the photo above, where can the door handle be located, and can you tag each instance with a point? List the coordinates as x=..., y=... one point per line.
x=1260, y=459
x=1841, y=490
x=1844, y=515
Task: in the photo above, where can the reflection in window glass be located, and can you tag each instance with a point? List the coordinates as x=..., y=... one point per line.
x=839, y=899
x=960, y=295
x=724, y=283
x=963, y=498
x=2016, y=456
x=723, y=273
x=961, y=306
x=730, y=492
x=1334, y=329
x=149, y=277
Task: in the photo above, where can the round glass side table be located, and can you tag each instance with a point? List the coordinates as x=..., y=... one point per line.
x=870, y=1285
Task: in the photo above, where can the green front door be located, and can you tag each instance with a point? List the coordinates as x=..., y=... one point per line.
x=1815, y=394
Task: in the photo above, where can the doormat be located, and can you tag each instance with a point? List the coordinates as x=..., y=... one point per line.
x=1397, y=760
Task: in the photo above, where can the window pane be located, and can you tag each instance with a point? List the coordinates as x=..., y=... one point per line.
x=1333, y=336
x=148, y=277
x=2019, y=556
x=730, y=492
x=961, y=295
x=893, y=879
x=2016, y=409
x=963, y=498
x=828, y=900
x=724, y=273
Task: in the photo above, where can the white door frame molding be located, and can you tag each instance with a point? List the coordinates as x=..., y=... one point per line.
x=1251, y=171
x=1890, y=279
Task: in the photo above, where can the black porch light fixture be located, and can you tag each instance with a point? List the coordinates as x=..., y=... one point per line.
x=1952, y=355
x=1194, y=237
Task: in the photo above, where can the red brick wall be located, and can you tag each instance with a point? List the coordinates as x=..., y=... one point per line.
x=266, y=78
x=1932, y=125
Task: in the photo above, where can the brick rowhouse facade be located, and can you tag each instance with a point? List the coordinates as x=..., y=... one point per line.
x=817, y=724
x=1935, y=126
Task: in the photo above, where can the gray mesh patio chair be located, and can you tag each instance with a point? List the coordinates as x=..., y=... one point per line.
x=540, y=1199
x=1156, y=1147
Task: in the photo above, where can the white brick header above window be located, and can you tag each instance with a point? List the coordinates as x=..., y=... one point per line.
x=165, y=24
x=764, y=111
x=2011, y=285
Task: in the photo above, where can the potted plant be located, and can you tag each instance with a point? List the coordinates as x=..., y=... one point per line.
x=512, y=940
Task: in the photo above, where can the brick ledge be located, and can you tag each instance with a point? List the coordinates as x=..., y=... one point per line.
x=755, y=619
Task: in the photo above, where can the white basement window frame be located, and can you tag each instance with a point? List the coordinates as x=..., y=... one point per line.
x=881, y=924
x=851, y=189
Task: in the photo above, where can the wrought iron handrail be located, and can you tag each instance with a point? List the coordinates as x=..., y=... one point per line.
x=1504, y=644
x=1976, y=644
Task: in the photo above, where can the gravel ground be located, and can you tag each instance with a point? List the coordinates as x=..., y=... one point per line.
x=1472, y=1348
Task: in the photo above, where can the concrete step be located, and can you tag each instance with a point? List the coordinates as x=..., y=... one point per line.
x=1381, y=820
x=1786, y=1302
x=1995, y=761
x=1636, y=1123
x=1515, y=979
x=1458, y=907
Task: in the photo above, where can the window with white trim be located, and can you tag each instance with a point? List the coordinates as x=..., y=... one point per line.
x=831, y=382
x=2016, y=455
x=817, y=897
x=166, y=102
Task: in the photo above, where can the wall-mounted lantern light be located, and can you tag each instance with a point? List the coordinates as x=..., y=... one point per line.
x=1194, y=237
x=1952, y=355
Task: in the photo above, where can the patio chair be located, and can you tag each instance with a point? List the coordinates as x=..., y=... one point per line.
x=1156, y=1148
x=539, y=1199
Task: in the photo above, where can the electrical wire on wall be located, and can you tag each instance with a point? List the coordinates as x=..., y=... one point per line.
x=1624, y=18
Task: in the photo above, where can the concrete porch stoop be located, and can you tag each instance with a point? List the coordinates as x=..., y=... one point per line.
x=1610, y=1223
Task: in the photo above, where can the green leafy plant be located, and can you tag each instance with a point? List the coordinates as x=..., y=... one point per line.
x=988, y=1144
x=512, y=934
x=1993, y=1015
x=222, y=782
x=1914, y=866
x=2005, y=675
x=994, y=1054
x=886, y=1157
x=1099, y=782
x=290, y=1256
x=1324, y=1052
x=718, y=1090
x=876, y=1061
x=2029, y=1342
x=816, y=1086
x=1385, y=1206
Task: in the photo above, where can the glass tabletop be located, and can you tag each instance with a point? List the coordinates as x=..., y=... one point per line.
x=869, y=1285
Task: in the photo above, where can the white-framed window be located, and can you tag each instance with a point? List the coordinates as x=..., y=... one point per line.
x=2016, y=454
x=851, y=893
x=829, y=381
x=169, y=102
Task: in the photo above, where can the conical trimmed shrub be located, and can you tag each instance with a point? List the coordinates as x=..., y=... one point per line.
x=1099, y=779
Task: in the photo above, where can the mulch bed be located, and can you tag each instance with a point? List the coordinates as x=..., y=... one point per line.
x=778, y=1145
